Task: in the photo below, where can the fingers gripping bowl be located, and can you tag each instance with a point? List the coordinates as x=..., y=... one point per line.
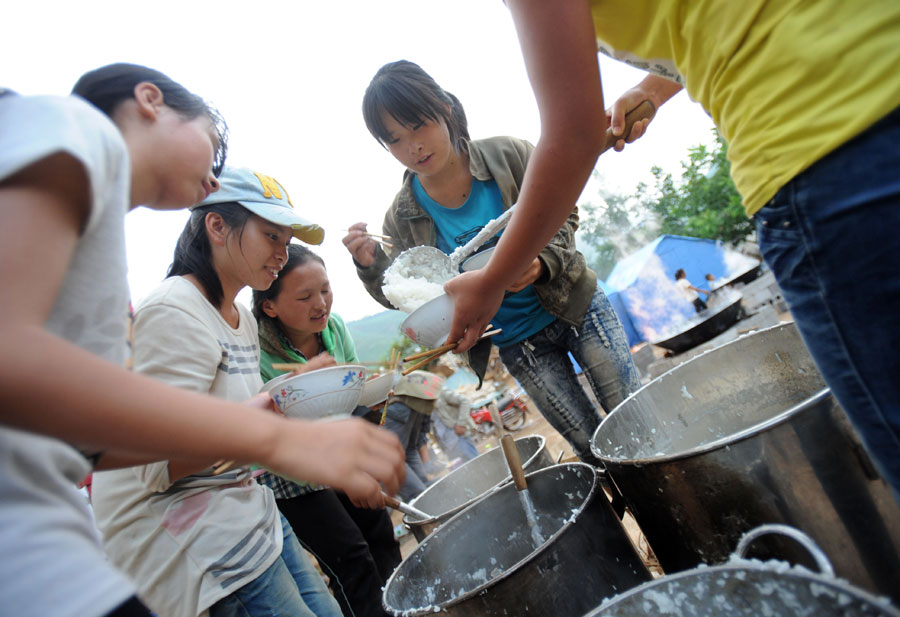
x=324, y=393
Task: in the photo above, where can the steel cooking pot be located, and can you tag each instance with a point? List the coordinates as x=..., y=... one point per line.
x=743, y=435
x=750, y=588
x=485, y=562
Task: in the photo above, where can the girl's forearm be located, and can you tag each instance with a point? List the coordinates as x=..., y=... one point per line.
x=560, y=51
x=52, y=387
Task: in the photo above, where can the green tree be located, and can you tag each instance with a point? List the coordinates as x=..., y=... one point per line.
x=704, y=202
x=613, y=228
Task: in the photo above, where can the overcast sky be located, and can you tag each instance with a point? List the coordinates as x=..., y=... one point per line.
x=289, y=79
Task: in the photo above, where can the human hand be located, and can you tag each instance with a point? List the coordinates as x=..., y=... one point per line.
x=351, y=455
x=476, y=300
x=459, y=430
x=360, y=246
x=528, y=277
x=263, y=401
x=322, y=360
x=615, y=115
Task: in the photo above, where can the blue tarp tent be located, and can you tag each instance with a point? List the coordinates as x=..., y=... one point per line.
x=642, y=286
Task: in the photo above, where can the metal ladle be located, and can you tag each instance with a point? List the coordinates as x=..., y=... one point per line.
x=434, y=259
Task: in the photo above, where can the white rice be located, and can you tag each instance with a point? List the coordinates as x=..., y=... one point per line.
x=409, y=284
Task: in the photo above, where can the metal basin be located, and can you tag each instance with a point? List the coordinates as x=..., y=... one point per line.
x=748, y=588
x=472, y=481
x=717, y=320
x=747, y=434
x=484, y=561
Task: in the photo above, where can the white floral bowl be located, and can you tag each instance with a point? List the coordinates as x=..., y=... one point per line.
x=323, y=393
x=429, y=324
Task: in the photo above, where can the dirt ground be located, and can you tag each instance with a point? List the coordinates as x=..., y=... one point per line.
x=558, y=448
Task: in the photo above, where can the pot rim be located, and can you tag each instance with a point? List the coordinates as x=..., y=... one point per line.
x=709, y=318
x=427, y=610
x=418, y=522
x=738, y=564
x=812, y=401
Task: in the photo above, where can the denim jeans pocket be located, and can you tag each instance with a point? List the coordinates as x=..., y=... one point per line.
x=777, y=220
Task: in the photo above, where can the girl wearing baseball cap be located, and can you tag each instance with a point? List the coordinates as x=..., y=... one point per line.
x=212, y=540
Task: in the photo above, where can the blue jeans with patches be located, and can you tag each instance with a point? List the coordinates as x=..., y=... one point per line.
x=832, y=238
x=290, y=587
x=541, y=364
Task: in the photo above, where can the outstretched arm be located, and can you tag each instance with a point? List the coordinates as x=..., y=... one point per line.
x=50, y=386
x=560, y=52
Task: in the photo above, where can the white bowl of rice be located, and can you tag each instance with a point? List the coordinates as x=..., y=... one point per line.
x=411, y=281
x=429, y=324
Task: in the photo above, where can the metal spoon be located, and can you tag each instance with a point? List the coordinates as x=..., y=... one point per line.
x=404, y=507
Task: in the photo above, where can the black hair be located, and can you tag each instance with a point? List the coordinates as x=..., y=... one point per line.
x=107, y=87
x=410, y=95
x=679, y=273
x=297, y=256
x=193, y=253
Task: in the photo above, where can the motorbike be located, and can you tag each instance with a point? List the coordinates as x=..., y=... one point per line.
x=512, y=405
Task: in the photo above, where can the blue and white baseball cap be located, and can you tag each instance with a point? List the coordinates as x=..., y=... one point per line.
x=265, y=197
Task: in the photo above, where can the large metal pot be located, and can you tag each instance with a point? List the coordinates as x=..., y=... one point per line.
x=484, y=561
x=472, y=481
x=742, y=435
x=750, y=588
x=712, y=321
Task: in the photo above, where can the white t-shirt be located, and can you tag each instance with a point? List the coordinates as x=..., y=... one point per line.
x=685, y=286
x=51, y=562
x=191, y=543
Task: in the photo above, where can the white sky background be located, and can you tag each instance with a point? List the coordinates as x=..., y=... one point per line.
x=289, y=79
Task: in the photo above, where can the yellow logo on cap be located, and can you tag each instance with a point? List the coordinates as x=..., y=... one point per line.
x=271, y=187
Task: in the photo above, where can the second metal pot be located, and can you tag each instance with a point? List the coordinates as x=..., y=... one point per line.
x=472, y=481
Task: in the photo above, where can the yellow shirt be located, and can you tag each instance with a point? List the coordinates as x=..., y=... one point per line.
x=785, y=81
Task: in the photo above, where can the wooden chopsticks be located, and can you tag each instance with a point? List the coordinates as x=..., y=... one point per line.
x=293, y=366
x=428, y=355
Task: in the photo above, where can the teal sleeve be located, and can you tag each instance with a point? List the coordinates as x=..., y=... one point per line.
x=344, y=347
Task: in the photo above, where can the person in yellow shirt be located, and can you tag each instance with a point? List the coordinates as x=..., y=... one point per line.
x=806, y=95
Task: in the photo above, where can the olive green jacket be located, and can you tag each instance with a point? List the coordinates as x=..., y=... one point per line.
x=566, y=284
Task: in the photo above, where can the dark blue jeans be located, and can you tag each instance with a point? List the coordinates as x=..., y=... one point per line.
x=832, y=238
x=541, y=364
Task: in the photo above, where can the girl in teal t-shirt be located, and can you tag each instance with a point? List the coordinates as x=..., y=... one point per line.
x=454, y=185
